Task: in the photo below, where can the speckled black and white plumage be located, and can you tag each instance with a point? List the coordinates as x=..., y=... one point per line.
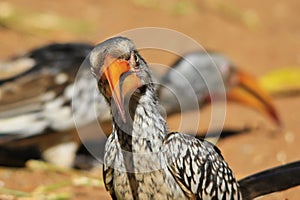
x=144, y=161
x=199, y=168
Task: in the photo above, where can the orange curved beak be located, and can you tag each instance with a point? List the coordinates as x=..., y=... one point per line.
x=118, y=87
x=248, y=91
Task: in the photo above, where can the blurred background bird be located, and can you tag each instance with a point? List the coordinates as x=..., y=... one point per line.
x=37, y=89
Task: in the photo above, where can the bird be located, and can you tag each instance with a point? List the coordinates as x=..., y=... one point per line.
x=205, y=74
x=185, y=78
x=36, y=90
x=142, y=159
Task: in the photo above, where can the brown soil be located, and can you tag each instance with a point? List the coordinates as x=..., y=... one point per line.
x=269, y=45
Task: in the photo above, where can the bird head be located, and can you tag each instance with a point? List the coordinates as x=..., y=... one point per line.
x=206, y=75
x=243, y=88
x=120, y=71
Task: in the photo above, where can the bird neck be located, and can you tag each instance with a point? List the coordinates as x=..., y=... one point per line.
x=145, y=128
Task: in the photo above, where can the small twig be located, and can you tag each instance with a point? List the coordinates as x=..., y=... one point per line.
x=48, y=188
x=37, y=165
x=16, y=193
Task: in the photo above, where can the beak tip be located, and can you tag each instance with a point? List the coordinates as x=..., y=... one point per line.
x=277, y=119
x=249, y=92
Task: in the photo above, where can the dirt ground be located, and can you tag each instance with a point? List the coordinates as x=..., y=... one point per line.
x=259, y=36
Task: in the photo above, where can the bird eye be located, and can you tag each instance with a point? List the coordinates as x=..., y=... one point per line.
x=134, y=60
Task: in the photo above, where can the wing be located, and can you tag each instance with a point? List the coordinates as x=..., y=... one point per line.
x=199, y=168
x=35, y=89
x=108, y=170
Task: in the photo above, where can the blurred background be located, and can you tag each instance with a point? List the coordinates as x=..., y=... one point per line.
x=261, y=37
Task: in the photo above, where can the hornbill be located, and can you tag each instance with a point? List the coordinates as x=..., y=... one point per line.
x=36, y=91
x=142, y=159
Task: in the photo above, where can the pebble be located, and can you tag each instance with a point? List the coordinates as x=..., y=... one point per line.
x=281, y=157
x=289, y=137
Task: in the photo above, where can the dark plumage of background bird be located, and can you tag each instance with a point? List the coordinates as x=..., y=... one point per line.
x=36, y=94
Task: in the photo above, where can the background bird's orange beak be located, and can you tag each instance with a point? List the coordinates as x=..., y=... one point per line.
x=248, y=91
x=119, y=88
